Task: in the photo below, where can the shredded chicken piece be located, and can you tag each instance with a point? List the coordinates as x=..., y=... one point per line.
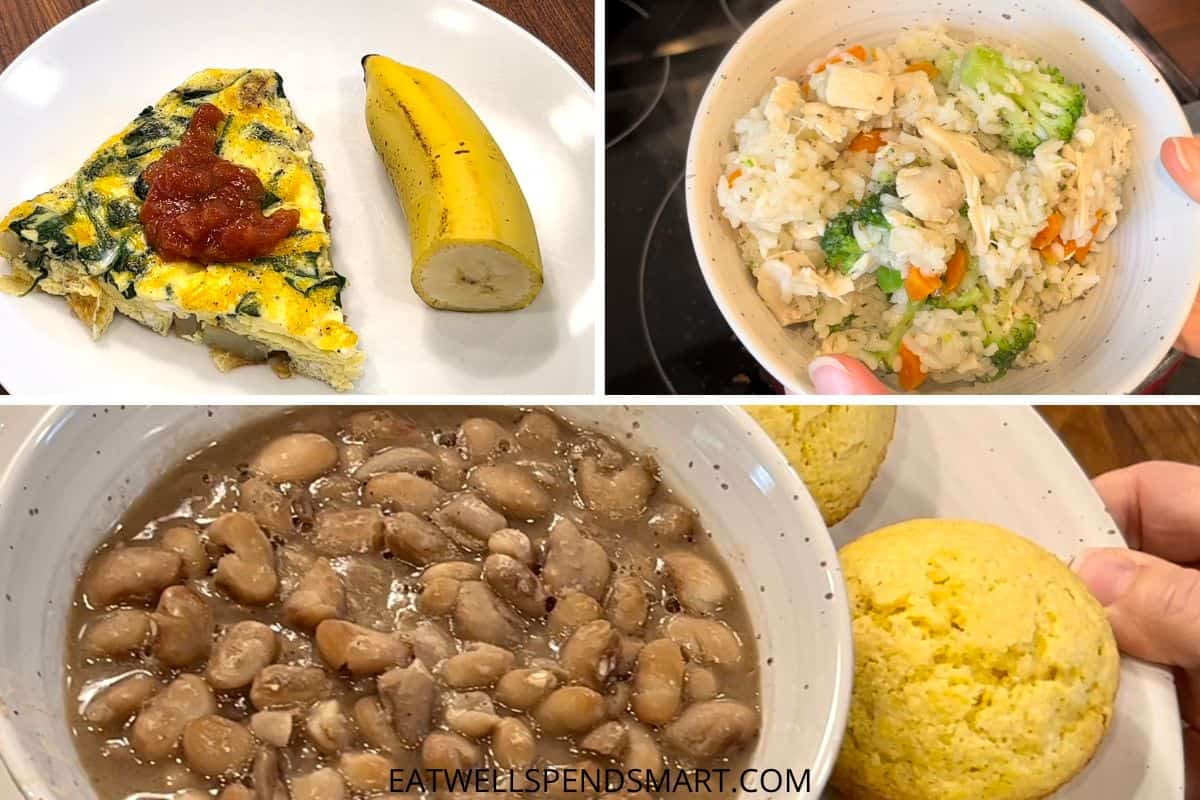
x=784, y=100
x=860, y=89
x=1089, y=178
x=976, y=168
x=933, y=194
x=789, y=283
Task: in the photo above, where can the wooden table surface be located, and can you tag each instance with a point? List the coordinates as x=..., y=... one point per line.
x=568, y=26
x=1108, y=437
x=1175, y=24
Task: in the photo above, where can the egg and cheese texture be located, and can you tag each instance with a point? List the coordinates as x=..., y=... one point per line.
x=836, y=450
x=982, y=666
x=85, y=238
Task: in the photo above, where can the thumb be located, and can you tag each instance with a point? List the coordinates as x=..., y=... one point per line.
x=1153, y=605
x=1181, y=157
x=1189, y=337
x=844, y=375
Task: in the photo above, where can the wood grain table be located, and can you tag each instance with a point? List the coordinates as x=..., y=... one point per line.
x=568, y=26
x=1175, y=24
x=1108, y=437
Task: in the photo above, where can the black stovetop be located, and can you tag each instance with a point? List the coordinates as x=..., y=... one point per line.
x=664, y=333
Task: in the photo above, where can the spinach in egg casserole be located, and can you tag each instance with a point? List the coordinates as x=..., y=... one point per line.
x=85, y=239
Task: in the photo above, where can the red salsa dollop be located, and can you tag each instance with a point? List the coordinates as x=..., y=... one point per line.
x=202, y=208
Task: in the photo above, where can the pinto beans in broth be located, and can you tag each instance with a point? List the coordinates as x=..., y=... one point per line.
x=246, y=623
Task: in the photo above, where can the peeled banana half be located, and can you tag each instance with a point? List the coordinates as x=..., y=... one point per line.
x=473, y=240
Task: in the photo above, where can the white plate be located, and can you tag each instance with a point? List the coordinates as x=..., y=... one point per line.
x=1007, y=467
x=88, y=77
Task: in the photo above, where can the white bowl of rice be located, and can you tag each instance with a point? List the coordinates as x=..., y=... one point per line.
x=966, y=196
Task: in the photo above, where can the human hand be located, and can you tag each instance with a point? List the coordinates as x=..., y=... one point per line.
x=839, y=374
x=844, y=375
x=1181, y=158
x=1152, y=592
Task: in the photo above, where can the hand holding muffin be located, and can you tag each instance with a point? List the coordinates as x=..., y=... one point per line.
x=1152, y=601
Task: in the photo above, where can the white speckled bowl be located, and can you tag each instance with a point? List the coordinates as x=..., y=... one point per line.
x=67, y=474
x=1106, y=344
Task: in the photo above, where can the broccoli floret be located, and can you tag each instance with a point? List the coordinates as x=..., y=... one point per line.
x=995, y=312
x=838, y=242
x=960, y=300
x=889, y=279
x=1015, y=342
x=969, y=294
x=1020, y=132
x=870, y=211
x=1047, y=106
x=1047, y=85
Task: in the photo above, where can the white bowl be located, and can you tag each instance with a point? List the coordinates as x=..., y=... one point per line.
x=1107, y=343
x=68, y=474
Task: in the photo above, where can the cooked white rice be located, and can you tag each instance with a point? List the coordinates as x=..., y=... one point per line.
x=792, y=171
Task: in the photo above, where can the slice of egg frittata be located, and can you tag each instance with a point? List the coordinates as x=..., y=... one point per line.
x=84, y=239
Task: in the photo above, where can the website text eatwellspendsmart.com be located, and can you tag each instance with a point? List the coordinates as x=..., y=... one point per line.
x=578, y=779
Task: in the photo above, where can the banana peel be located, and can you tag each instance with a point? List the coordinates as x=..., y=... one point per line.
x=474, y=244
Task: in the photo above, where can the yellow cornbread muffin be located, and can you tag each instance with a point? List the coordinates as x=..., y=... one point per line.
x=983, y=668
x=836, y=450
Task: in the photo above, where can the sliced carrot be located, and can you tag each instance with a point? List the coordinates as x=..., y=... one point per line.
x=1057, y=251
x=867, y=141
x=912, y=372
x=918, y=285
x=956, y=270
x=858, y=51
x=923, y=66
x=1048, y=234
x=1082, y=250
x=733, y=176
